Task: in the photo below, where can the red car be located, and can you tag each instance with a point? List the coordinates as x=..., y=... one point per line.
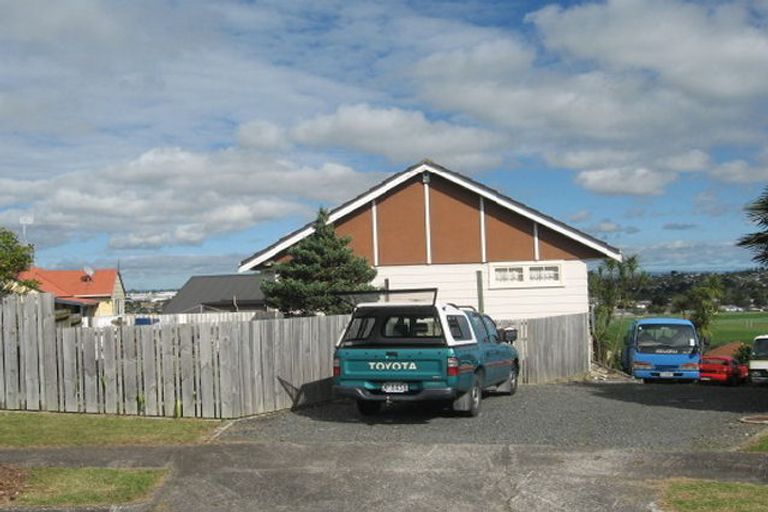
x=723, y=369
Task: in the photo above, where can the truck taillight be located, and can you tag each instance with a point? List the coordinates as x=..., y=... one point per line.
x=336, y=367
x=689, y=366
x=641, y=365
x=453, y=366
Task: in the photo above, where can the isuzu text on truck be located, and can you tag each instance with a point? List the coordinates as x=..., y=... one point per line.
x=407, y=351
x=662, y=349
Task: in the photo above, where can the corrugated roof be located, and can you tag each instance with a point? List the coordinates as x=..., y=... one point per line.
x=73, y=283
x=217, y=292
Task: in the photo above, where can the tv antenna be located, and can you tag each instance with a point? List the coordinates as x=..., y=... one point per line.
x=25, y=220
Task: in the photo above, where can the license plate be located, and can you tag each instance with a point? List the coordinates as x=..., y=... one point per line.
x=705, y=378
x=394, y=387
x=667, y=374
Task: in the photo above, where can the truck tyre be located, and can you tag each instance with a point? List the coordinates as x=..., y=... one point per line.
x=475, y=396
x=368, y=408
x=509, y=386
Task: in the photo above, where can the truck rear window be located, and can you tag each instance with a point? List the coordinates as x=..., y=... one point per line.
x=394, y=326
x=410, y=326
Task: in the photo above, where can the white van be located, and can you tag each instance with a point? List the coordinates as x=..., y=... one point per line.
x=758, y=364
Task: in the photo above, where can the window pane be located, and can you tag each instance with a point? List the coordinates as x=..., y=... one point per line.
x=508, y=274
x=398, y=326
x=360, y=328
x=544, y=273
x=459, y=328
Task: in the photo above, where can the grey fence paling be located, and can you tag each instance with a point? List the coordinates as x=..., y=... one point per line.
x=210, y=370
x=552, y=348
x=181, y=318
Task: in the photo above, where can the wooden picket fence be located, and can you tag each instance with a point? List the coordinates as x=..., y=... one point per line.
x=180, y=318
x=552, y=348
x=210, y=370
x=207, y=370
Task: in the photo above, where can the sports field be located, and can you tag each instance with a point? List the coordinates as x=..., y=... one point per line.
x=727, y=327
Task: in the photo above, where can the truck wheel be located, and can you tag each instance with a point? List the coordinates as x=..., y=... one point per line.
x=475, y=396
x=509, y=386
x=368, y=408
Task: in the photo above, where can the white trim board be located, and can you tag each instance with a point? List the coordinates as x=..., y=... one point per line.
x=256, y=260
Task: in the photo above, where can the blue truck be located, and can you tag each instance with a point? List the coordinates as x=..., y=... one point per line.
x=662, y=349
x=405, y=352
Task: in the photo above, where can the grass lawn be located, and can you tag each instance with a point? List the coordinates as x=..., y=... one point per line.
x=87, y=486
x=708, y=496
x=23, y=429
x=760, y=444
x=727, y=327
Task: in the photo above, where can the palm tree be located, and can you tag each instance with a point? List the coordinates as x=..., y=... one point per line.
x=757, y=212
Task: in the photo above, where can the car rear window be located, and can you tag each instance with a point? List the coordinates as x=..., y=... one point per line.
x=714, y=361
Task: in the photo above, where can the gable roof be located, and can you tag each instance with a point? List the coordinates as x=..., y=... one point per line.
x=216, y=291
x=427, y=166
x=73, y=283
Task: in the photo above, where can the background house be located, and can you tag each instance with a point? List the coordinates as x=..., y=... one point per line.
x=218, y=293
x=431, y=227
x=89, y=292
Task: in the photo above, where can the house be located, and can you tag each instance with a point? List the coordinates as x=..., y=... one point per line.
x=201, y=294
x=431, y=227
x=88, y=292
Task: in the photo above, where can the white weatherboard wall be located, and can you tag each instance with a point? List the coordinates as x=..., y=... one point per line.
x=458, y=284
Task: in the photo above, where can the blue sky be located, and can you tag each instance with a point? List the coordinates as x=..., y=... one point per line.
x=181, y=137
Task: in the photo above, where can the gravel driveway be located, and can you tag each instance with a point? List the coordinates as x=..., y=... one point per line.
x=676, y=417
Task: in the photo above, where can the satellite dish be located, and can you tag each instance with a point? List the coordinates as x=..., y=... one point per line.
x=88, y=271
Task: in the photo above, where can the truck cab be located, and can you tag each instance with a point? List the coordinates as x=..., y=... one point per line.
x=662, y=349
x=758, y=364
x=405, y=352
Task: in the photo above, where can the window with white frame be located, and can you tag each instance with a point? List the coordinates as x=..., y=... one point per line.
x=527, y=275
x=508, y=274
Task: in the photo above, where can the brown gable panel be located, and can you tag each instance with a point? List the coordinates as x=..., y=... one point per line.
x=400, y=218
x=358, y=226
x=554, y=246
x=454, y=222
x=508, y=235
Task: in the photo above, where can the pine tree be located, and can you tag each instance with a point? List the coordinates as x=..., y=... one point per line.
x=318, y=267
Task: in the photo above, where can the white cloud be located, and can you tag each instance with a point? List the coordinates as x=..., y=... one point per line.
x=168, y=196
x=492, y=60
x=710, y=204
x=403, y=136
x=679, y=226
x=262, y=135
x=714, y=51
x=693, y=160
x=629, y=181
x=740, y=171
x=692, y=255
x=586, y=158
x=607, y=227
x=580, y=216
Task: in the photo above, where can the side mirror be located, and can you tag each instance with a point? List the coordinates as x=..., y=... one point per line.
x=508, y=334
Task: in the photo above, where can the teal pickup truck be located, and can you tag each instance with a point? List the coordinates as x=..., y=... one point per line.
x=398, y=352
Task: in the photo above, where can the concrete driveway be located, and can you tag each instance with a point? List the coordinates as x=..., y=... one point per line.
x=405, y=477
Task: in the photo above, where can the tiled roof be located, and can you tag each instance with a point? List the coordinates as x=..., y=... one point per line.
x=73, y=283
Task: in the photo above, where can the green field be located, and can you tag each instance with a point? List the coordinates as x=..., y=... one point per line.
x=727, y=327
